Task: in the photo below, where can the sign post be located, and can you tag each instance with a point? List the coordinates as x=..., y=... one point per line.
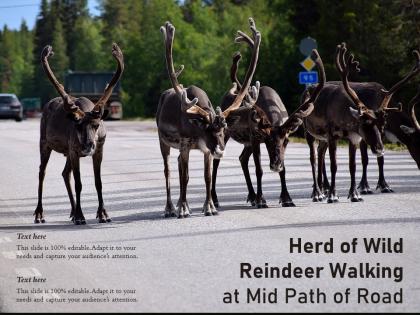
x=308, y=77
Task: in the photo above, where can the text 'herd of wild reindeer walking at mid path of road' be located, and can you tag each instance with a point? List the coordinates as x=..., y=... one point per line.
x=364, y=113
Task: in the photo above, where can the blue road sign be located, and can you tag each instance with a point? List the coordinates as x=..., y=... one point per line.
x=308, y=77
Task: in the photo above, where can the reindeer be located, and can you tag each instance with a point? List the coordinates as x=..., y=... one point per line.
x=389, y=120
x=390, y=125
x=266, y=122
x=74, y=127
x=187, y=124
x=406, y=128
x=335, y=117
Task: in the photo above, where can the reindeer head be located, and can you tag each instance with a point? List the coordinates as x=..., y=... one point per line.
x=413, y=133
x=86, y=116
x=278, y=137
x=370, y=124
x=210, y=124
x=384, y=108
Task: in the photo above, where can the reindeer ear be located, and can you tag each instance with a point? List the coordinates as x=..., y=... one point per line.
x=294, y=125
x=355, y=113
x=407, y=130
x=198, y=122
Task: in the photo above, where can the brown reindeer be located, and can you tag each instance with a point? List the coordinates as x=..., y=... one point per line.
x=74, y=127
x=389, y=119
x=265, y=122
x=340, y=114
x=186, y=120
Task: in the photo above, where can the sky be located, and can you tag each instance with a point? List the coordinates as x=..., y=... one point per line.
x=12, y=12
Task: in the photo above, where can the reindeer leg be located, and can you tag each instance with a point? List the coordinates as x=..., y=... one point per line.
x=322, y=170
x=382, y=184
x=78, y=214
x=169, y=208
x=183, y=208
x=364, y=185
x=66, y=176
x=208, y=208
x=45, y=153
x=244, y=159
x=216, y=163
x=256, y=153
x=316, y=192
x=332, y=148
x=285, y=199
x=101, y=214
x=325, y=182
x=353, y=192
x=214, y=197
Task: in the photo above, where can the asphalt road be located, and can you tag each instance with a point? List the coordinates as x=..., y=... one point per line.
x=188, y=264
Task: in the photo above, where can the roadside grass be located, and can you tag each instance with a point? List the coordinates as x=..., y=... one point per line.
x=343, y=143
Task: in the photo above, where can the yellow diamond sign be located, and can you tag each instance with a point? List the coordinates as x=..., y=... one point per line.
x=308, y=63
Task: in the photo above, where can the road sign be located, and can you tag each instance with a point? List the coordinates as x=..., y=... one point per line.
x=308, y=64
x=306, y=45
x=308, y=77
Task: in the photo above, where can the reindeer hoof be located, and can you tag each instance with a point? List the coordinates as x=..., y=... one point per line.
x=102, y=220
x=261, y=205
x=332, y=200
x=214, y=212
x=108, y=220
x=79, y=221
x=384, y=187
x=386, y=190
x=317, y=195
x=252, y=198
x=366, y=192
x=356, y=199
x=37, y=221
x=288, y=204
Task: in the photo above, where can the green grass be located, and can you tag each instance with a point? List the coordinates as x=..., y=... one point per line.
x=343, y=143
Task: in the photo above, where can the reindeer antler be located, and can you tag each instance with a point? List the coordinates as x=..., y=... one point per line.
x=187, y=105
x=412, y=109
x=119, y=57
x=255, y=46
x=307, y=106
x=344, y=67
x=68, y=103
x=234, y=71
x=397, y=86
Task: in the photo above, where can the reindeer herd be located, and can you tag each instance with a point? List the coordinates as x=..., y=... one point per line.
x=364, y=113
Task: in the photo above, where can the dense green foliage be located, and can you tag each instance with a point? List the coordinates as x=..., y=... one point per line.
x=381, y=33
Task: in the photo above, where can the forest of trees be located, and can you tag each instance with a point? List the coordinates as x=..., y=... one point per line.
x=381, y=33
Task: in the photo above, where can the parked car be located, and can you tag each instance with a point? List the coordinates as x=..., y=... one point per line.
x=10, y=107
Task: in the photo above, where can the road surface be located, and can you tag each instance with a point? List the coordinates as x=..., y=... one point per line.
x=192, y=264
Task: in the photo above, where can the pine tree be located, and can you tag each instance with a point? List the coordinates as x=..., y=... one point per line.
x=42, y=37
x=89, y=52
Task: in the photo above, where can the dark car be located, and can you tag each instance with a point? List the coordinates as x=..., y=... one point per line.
x=10, y=107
